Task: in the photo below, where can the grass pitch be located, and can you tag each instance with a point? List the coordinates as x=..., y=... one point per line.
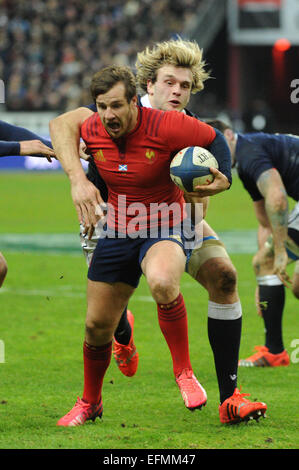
x=42, y=325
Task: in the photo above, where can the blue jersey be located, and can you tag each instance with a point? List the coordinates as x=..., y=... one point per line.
x=259, y=152
x=11, y=136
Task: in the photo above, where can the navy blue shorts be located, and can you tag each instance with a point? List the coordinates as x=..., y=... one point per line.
x=119, y=259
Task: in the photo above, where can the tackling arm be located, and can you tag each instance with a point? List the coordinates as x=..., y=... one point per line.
x=16, y=140
x=65, y=136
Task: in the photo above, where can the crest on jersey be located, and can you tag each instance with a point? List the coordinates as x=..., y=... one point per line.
x=150, y=156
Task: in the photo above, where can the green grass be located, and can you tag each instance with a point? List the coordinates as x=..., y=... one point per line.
x=42, y=324
x=37, y=202
x=41, y=202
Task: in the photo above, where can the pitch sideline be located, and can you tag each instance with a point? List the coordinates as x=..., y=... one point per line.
x=235, y=241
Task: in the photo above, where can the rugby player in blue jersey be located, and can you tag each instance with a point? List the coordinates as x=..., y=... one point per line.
x=15, y=140
x=268, y=166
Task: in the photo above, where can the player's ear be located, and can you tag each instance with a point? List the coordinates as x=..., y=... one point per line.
x=150, y=87
x=134, y=100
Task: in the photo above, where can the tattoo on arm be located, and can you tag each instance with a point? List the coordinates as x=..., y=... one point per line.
x=276, y=199
x=278, y=217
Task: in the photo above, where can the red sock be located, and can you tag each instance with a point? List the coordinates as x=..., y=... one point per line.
x=96, y=362
x=173, y=323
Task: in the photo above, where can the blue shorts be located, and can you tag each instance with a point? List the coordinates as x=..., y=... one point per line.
x=119, y=259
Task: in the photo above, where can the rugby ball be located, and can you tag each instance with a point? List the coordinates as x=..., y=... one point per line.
x=190, y=167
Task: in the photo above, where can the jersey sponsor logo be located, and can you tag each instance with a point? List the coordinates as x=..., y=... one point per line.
x=122, y=167
x=99, y=156
x=150, y=156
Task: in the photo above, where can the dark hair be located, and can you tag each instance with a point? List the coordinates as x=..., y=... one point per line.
x=107, y=77
x=221, y=125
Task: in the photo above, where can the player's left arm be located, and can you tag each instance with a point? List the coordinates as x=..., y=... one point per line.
x=222, y=176
x=220, y=149
x=185, y=131
x=273, y=190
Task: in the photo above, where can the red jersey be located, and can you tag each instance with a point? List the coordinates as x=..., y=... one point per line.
x=136, y=166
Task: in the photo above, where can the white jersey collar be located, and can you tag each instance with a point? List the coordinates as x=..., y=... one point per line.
x=145, y=101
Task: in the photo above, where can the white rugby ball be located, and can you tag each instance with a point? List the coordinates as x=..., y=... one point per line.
x=190, y=167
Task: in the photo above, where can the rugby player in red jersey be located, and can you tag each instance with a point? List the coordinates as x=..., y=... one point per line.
x=123, y=132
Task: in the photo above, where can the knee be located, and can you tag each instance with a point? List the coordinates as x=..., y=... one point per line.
x=92, y=325
x=96, y=329
x=219, y=276
x=164, y=289
x=98, y=324
x=227, y=279
x=295, y=290
x=3, y=269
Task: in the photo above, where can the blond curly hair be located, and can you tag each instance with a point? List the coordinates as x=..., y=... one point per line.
x=180, y=53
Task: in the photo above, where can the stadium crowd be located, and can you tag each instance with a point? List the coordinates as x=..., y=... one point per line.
x=50, y=49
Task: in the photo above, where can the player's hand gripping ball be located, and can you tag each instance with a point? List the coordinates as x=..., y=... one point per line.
x=190, y=167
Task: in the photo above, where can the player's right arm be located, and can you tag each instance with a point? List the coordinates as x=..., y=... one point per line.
x=272, y=189
x=16, y=140
x=264, y=227
x=65, y=136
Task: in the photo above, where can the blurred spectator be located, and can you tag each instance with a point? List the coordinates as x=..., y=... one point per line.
x=50, y=49
x=259, y=117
